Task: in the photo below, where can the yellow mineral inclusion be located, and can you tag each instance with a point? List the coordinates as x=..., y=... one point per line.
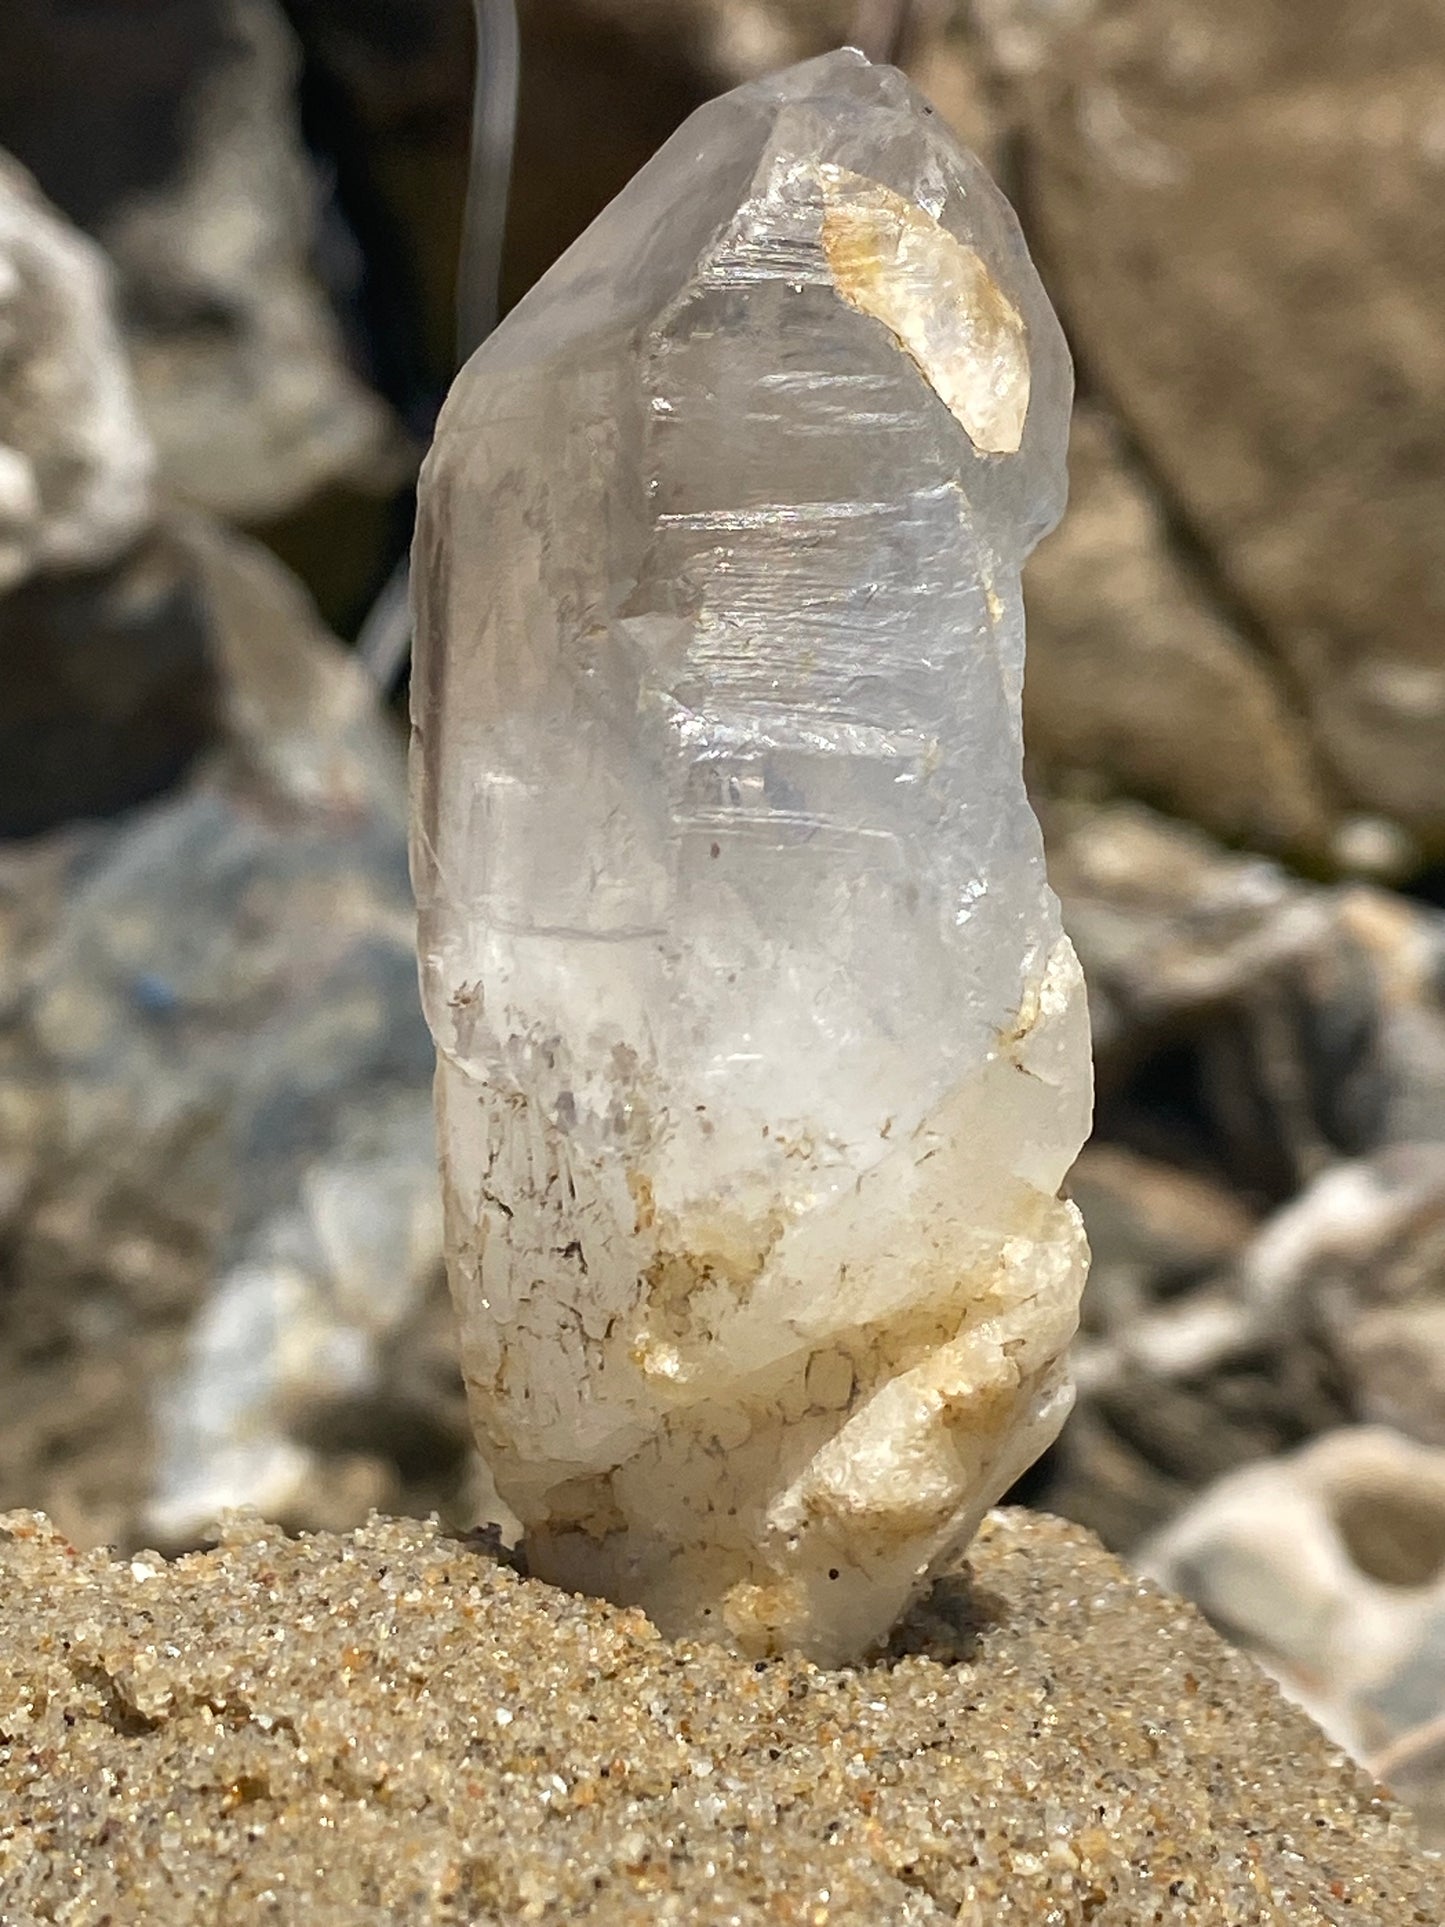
x=892, y=260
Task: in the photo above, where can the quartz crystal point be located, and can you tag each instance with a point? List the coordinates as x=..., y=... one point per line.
x=762, y=1053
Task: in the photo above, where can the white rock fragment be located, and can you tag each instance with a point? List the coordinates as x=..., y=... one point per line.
x=1328, y=1564
x=762, y=1054
x=240, y=363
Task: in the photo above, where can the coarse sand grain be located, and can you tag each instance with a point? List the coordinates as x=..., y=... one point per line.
x=390, y=1726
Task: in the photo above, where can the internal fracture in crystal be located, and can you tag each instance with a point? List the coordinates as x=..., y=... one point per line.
x=762, y=1054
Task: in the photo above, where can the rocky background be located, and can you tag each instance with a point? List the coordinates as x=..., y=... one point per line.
x=228, y=233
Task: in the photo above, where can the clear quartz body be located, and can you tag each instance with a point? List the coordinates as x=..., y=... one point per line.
x=761, y=1052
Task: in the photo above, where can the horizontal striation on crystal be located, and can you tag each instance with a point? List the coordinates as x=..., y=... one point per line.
x=761, y=1052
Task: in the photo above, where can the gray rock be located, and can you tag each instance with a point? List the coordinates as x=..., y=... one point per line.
x=732, y=40
x=1332, y=1313
x=110, y=688
x=1140, y=682
x=1264, y=1194
x=1155, y=1232
x=1246, y=1020
x=221, y=1267
x=1237, y=207
x=103, y=649
x=191, y=171
x=1355, y=1268
x=75, y=463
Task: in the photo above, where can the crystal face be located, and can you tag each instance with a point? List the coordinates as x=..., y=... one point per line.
x=761, y=1052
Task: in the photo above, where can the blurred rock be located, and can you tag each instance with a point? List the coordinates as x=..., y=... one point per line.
x=1197, y=1359
x=1236, y=205
x=109, y=687
x=1355, y=1266
x=1138, y=681
x=75, y=463
x=1267, y=1179
x=1132, y=1450
x=1329, y=1566
x=388, y=93
x=1174, y=1397
x=400, y=61
x=220, y=1277
x=732, y=40
x=103, y=652
x=1155, y=1231
x=1246, y=1022
x=191, y=171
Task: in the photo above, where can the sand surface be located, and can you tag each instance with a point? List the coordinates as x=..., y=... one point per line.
x=390, y=1727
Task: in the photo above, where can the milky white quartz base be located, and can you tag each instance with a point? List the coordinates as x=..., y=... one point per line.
x=765, y=1429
